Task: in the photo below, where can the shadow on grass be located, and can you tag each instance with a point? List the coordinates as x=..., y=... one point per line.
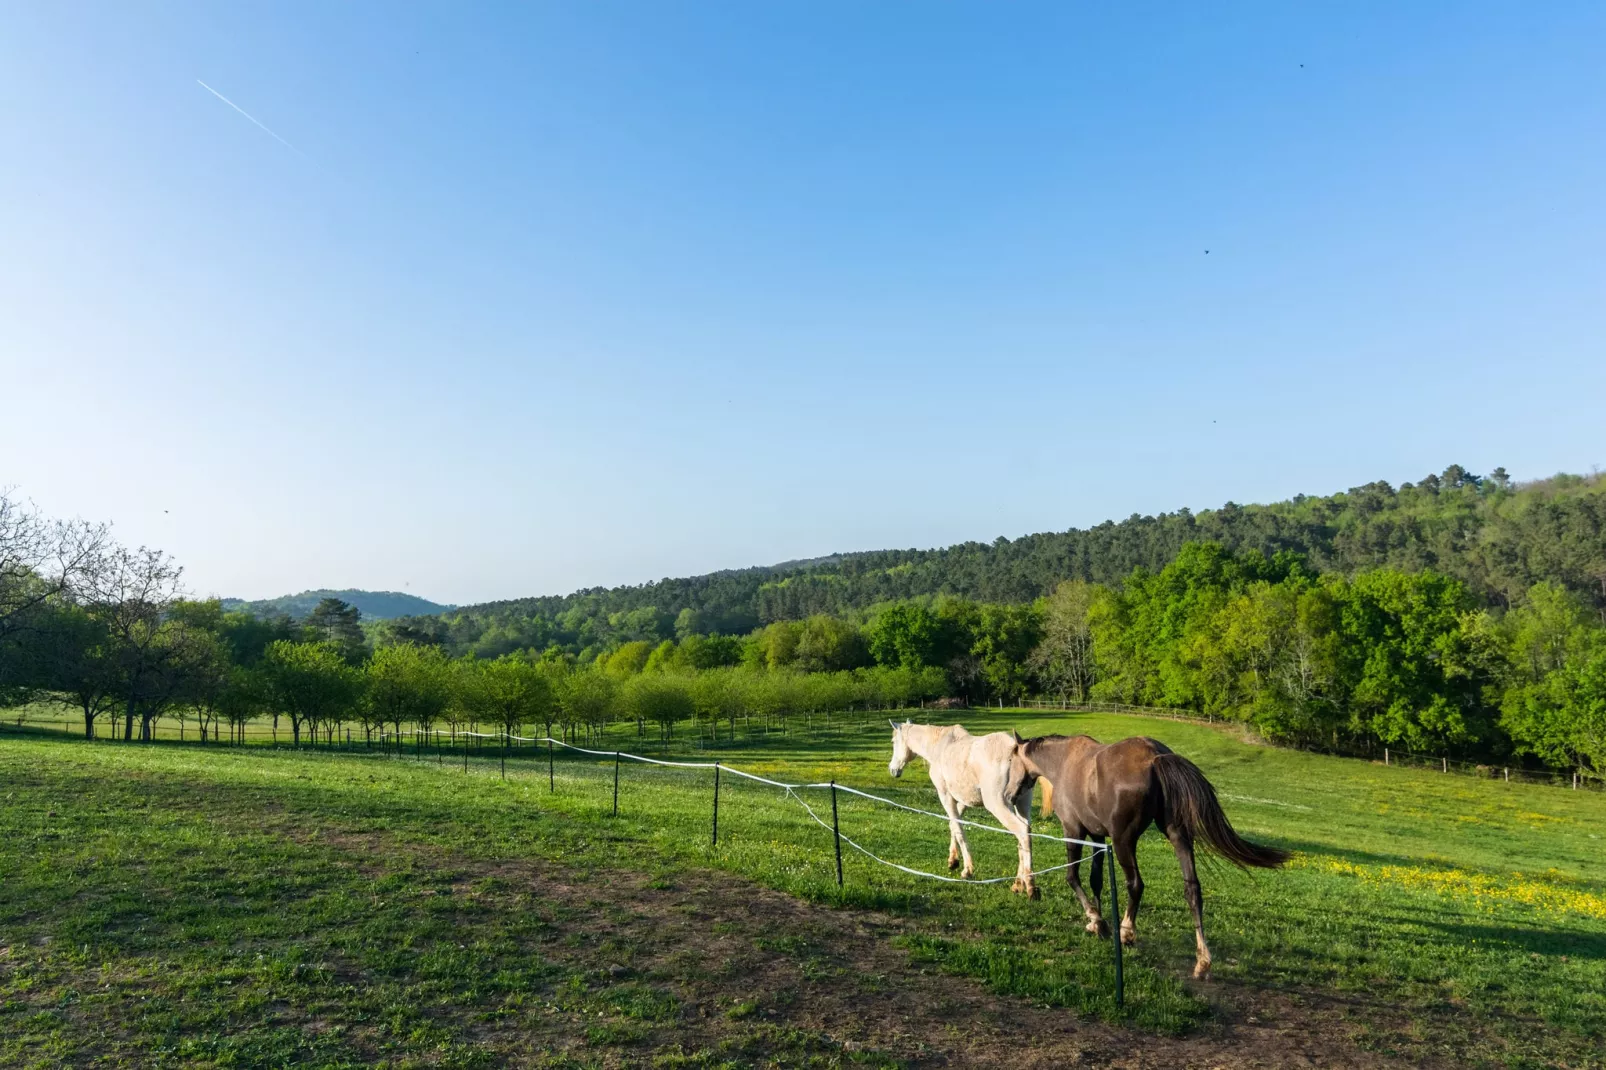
x=1546, y=942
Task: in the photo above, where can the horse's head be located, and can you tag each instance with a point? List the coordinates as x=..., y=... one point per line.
x=900, y=749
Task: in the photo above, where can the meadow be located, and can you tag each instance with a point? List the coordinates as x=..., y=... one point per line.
x=168, y=904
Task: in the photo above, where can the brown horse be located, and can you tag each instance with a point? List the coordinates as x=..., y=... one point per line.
x=1117, y=791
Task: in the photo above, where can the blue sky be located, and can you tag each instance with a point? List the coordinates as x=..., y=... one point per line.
x=551, y=296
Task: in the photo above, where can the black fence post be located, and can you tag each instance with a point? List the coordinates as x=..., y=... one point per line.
x=716, y=804
x=836, y=836
x=1115, y=928
x=615, y=783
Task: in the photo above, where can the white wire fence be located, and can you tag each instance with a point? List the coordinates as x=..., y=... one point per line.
x=794, y=791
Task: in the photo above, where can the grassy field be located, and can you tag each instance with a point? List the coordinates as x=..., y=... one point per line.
x=179, y=905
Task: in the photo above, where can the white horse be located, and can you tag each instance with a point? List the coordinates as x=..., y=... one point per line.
x=972, y=770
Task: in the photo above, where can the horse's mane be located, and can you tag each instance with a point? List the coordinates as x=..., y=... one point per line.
x=1036, y=741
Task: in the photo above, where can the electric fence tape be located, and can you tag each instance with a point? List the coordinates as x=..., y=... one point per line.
x=792, y=790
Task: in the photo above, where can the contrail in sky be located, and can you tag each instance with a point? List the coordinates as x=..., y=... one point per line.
x=248, y=115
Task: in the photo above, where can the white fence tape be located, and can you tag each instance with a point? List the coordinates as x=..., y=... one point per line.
x=792, y=790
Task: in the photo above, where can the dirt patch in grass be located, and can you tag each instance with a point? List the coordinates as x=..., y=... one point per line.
x=751, y=969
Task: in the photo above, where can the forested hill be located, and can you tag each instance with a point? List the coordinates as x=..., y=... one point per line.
x=1497, y=537
x=375, y=605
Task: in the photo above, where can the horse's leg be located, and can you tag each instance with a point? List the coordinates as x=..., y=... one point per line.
x=1073, y=876
x=1010, y=817
x=1182, y=843
x=953, y=832
x=1126, y=853
x=956, y=831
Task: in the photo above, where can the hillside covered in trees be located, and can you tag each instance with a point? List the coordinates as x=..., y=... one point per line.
x=1496, y=538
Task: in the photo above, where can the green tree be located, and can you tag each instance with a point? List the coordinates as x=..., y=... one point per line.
x=75, y=656
x=311, y=682
x=408, y=684
x=1561, y=717
x=509, y=692
x=628, y=660
x=774, y=646
x=338, y=624
x=1553, y=705
x=244, y=697
x=829, y=644
x=700, y=652
x=589, y=699
x=1406, y=660
x=661, y=699
x=907, y=634
x=1004, y=639
x=665, y=657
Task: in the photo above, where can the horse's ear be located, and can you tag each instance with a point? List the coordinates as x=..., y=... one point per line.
x=1016, y=733
x=893, y=723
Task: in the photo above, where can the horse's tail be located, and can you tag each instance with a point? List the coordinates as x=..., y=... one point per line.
x=1190, y=801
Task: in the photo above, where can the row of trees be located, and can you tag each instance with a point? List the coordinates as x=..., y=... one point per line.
x=407, y=688
x=106, y=630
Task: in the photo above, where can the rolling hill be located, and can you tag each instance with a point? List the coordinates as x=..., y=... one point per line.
x=1496, y=536
x=375, y=605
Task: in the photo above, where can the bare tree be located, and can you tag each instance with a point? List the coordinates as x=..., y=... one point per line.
x=41, y=560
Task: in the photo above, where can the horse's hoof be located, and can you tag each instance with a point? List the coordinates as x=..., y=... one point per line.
x=1098, y=928
x=967, y=874
x=1034, y=892
x=953, y=864
x=1201, y=970
x=1129, y=937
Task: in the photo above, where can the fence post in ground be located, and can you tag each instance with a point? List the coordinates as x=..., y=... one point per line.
x=716, y=804
x=836, y=836
x=504, y=754
x=1507, y=771
x=615, y=783
x=1385, y=756
x=1115, y=926
x=465, y=756
x=1444, y=764
x=551, y=785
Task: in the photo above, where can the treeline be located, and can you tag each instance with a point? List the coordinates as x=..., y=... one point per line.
x=1497, y=539
x=1378, y=658
x=1415, y=659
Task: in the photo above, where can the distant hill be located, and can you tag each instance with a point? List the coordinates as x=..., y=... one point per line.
x=1496, y=536
x=375, y=605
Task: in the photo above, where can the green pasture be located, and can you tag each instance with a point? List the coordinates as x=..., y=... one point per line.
x=186, y=892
